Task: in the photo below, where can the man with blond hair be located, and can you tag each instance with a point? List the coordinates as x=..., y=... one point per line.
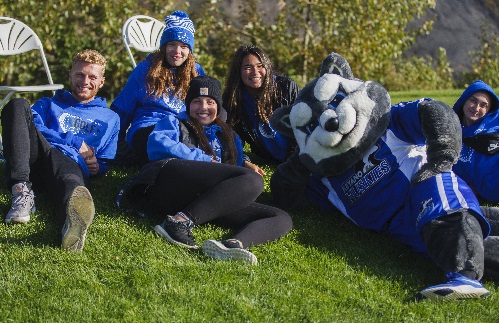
x=57, y=144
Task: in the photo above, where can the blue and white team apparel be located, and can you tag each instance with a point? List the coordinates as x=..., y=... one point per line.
x=137, y=109
x=167, y=141
x=66, y=123
x=274, y=143
x=479, y=169
x=381, y=184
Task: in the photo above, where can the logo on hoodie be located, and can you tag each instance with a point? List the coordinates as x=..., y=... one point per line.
x=77, y=125
x=173, y=102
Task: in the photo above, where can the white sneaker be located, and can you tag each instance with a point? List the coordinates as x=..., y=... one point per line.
x=23, y=203
x=216, y=249
x=457, y=287
x=80, y=213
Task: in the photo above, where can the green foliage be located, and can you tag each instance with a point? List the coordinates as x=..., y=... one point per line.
x=486, y=58
x=422, y=73
x=66, y=27
x=298, y=34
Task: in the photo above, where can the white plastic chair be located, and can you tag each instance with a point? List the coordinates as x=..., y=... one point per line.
x=142, y=33
x=17, y=38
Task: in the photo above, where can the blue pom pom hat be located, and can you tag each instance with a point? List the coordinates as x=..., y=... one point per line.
x=178, y=27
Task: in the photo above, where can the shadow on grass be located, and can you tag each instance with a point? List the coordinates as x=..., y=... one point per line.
x=367, y=251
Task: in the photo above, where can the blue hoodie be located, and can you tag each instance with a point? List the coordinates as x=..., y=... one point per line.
x=66, y=123
x=137, y=109
x=166, y=141
x=478, y=170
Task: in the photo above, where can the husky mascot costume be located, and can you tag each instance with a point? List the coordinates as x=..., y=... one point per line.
x=388, y=169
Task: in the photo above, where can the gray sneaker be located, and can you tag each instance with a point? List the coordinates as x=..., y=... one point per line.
x=217, y=249
x=80, y=213
x=23, y=203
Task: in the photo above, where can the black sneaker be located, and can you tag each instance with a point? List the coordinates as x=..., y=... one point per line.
x=177, y=232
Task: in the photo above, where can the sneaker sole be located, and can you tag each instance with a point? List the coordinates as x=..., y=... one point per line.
x=215, y=249
x=159, y=229
x=449, y=294
x=21, y=219
x=80, y=213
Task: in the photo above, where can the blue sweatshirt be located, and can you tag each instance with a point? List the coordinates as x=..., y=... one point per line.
x=166, y=141
x=137, y=109
x=479, y=170
x=66, y=123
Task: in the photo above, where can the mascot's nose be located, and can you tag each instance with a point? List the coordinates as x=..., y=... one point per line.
x=332, y=125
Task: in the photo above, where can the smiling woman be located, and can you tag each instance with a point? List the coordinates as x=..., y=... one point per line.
x=156, y=87
x=252, y=93
x=193, y=175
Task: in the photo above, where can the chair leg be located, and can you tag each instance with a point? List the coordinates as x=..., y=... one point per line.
x=6, y=99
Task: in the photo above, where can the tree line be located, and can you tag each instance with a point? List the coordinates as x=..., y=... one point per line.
x=371, y=34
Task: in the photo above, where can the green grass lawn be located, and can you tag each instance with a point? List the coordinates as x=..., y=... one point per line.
x=324, y=270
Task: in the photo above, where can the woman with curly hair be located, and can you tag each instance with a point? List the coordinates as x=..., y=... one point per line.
x=157, y=86
x=252, y=93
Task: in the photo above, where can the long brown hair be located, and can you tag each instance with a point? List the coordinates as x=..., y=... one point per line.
x=160, y=77
x=229, y=151
x=267, y=99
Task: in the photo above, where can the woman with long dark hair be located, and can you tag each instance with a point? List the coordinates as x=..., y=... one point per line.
x=195, y=176
x=252, y=93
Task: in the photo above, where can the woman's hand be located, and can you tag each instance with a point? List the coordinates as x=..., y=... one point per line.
x=254, y=167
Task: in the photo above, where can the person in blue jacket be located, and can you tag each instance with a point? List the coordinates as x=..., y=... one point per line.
x=252, y=93
x=478, y=163
x=195, y=174
x=156, y=87
x=57, y=144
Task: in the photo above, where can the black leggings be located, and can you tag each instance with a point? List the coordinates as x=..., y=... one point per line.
x=139, y=144
x=30, y=157
x=221, y=194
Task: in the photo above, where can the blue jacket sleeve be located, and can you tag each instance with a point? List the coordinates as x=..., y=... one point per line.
x=240, y=153
x=405, y=123
x=107, y=150
x=164, y=142
x=125, y=120
x=129, y=98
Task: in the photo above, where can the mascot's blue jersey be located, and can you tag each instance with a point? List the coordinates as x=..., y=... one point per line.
x=390, y=164
x=379, y=184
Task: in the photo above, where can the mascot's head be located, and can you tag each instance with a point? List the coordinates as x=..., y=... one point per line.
x=336, y=119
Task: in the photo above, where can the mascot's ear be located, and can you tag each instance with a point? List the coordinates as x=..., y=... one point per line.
x=279, y=120
x=335, y=64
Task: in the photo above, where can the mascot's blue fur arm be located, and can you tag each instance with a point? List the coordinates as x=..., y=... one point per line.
x=442, y=130
x=289, y=182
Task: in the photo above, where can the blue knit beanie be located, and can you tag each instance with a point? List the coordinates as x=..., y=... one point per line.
x=178, y=27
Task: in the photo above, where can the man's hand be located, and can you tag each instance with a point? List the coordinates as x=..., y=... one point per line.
x=85, y=151
x=88, y=154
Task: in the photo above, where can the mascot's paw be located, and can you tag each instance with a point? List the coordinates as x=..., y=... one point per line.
x=428, y=170
x=442, y=130
x=289, y=183
x=286, y=195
